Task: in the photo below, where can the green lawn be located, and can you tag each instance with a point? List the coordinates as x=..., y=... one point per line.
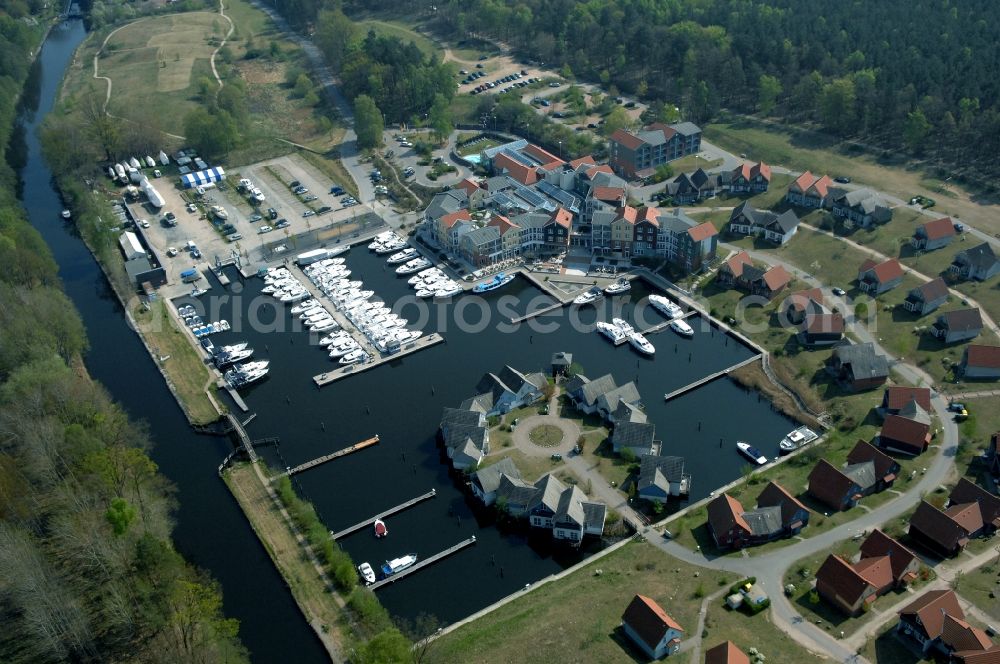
x=886, y=648
x=722, y=624
x=692, y=162
x=576, y=619
x=982, y=587
x=402, y=32
x=531, y=468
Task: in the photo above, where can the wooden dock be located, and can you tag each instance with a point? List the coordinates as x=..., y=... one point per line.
x=381, y=515
x=423, y=563
x=659, y=327
x=538, y=312
x=234, y=395
x=352, y=369
x=709, y=378
x=329, y=457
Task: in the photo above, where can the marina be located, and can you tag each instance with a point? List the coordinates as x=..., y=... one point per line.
x=423, y=563
x=423, y=342
x=382, y=515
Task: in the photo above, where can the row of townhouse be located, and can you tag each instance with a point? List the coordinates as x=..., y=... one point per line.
x=857, y=207
x=636, y=155
x=747, y=178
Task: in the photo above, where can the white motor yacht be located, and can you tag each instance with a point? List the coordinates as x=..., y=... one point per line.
x=354, y=357
x=665, y=306
x=640, y=343
x=751, y=452
x=341, y=349
x=589, y=297
x=619, y=287
x=681, y=327
x=449, y=290
x=324, y=325
x=331, y=339
x=615, y=335
x=402, y=256
x=304, y=305
x=367, y=573
x=622, y=325
x=425, y=292
x=412, y=266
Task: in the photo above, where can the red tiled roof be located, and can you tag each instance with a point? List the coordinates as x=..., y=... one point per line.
x=726, y=653
x=878, y=544
x=667, y=130
x=563, y=217
x=702, y=232
x=898, y=396
x=603, y=168
x=628, y=213
x=824, y=323
x=862, y=452
x=762, y=169
x=609, y=194
x=968, y=492
x=967, y=515
x=938, y=526
x=829, y=484
x=468, y=185
x=515, y=169
x=576, y=163
x=933, y=289
x=960, y=635
x=939, y=228
x=876, y=570
x=543, y=156
x=724, y=512
x=650, y=215
x=450, y=220
x=908, y=432
x=884, y=272
x=803, y=182
x=931, y=607
x=983, y=356
x=777, y=278
x=837, y=577
x=989, y=656
x=630, y=141
x=822, y=185
x=501, y=223
x=648, y=620
x=742, y=170
x=736, y=263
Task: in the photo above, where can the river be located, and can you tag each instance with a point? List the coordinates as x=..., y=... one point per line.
x=211, y=531
x=401, y=402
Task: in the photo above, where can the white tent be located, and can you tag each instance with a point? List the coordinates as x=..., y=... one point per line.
x=203, y=177
x=164, y=159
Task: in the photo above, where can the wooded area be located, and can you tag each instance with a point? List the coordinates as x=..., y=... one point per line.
x=916, y=75
x=87, y=569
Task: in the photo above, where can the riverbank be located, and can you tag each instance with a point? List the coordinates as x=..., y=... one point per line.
x=313, y=592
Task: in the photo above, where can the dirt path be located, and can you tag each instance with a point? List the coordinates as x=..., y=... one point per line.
x=215, y=72
x=97, y=55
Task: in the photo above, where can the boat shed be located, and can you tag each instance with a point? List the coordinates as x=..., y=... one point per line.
x=131, y=246
x=198, y=178
x=141, y=271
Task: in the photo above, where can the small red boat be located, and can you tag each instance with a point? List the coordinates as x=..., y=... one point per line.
x=380, y=529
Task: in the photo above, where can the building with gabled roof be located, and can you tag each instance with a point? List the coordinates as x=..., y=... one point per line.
x=637, y=155
x=903, y=563
x=748, y=178
x=800, y=304
x=661, y=477
x=886, y=468
x=778, y=514
x=896, y=397
x=860, y=208
x=726, y=653
x=979, y=263
x=966, y=492
x=841, y=489
x=936, y=623
x=927, y=297
x=877, y=278
x=959, y=325
x=809, y=191
x=946, y=531
x=980, y=362
x=906, y=435
x=934, y=234
x=486, y=481
x=648, y=626
x=771, y=226
x=858, y=366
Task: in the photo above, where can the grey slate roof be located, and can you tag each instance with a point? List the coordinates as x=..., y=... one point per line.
x=489, y=477
x=634, y=434
x=481, y=236
x=963, y=320
x=626, y=412
x=602, y=179
x=627, y=392
x=447, y=202
x=515, y=491
x=466, y=455
x=862, y=474
x=934, y=289
x=660, y=471
x=595, y=388
x=549, y=491
x=764, y=521
x=570, y=508
x=686, y=128
x=913, y=411
x=594, y=515
x=786, y=221
x=482, y=403
x=531, y=220
x=980, y=256
x=562, y=359
x=676, y=221
x=500, y=183
x=864, y=360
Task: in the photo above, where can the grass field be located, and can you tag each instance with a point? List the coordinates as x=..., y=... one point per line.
x=184, y=367
x=402, y=32
x=982, y=587
x=886, y=648
x=577, y=618
x=780, y=145
x=722, y=624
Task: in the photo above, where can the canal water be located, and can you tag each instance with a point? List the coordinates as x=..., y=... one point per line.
x=402, y=401
x=211, y=531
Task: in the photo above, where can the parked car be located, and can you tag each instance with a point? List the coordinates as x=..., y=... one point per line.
x=308, y=213
x=524, y=72
x=144, y=223
x=293, y=184
x=839, y=292
x=255, y=217
x=336, y=190
x=554, y=84
x=843, y=179
x=264, y=229
x=310, y=198
x=282, y=223
x=322, y=210
x=272, y=213
x=233, y=237
x=191, y=207
x=172, y=251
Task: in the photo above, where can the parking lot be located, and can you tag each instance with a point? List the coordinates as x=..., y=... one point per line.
x=273, y=179
x=492, y=71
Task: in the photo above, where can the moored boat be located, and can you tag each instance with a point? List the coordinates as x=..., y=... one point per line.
x=397, y=565
x=622, y=325
x=354, y=357
x=367, y=573
x=619, y=287
x=681, y=327
x=641, y=343
x=615, y=335
x=402, y=256
x=665, y=306
x=380, y=529
x=498, y=281
x=796, y=439
x=751, y=452
x=589, y=296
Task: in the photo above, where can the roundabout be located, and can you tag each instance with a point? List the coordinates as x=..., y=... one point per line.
x=544, y=435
